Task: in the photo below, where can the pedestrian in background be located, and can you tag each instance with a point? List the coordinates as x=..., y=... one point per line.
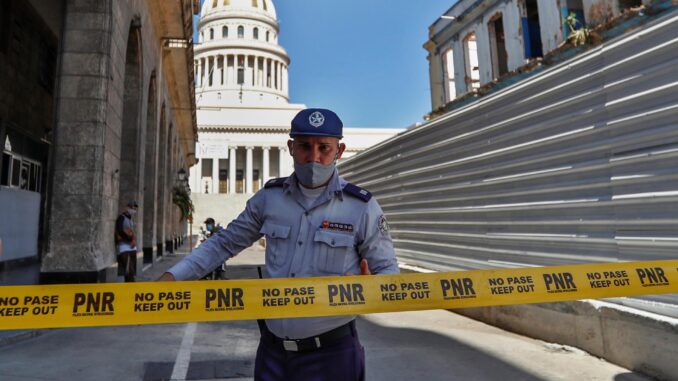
x=316, y=224
x=126, y=241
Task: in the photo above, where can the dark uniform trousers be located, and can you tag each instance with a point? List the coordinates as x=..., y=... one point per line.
x=339, y=357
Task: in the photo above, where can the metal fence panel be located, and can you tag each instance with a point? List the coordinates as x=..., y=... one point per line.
x=576, y=164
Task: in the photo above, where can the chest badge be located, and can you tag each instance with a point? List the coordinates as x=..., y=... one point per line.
x=338, y=226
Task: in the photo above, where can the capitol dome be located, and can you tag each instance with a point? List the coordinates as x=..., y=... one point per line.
x=238, y=59
x=264, y=7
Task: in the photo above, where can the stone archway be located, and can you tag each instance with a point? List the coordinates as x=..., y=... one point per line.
x=150, y=170
x=161, y=180
x=131, y=127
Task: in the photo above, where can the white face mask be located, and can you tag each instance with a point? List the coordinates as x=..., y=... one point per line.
x=131, y=211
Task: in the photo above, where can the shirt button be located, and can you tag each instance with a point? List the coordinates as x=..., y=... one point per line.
x=332, y=242
x=299, y=243
x=306, y=213
x=272, y=234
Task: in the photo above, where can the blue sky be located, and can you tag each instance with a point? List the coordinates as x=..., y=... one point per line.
x=361, y=58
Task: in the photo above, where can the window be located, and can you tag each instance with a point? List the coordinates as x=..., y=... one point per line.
x=268, y=73
x=241, y=32
x=214, y=3
x=255, y=3
x=19, y=172
x=224, y=32
x=5, y=20
x=15, y=173
x=211, y=34
x=4, y=172
x=241, y=70
x=449, y=75
x=532, y=30
x=239, y=176
x=227, y=2
x=265, y=7
x=575, y=7
x=256, y=33
x=47, y=61
x=267, y=35
x=210, y=76
x=472, y=77
x=498, y=46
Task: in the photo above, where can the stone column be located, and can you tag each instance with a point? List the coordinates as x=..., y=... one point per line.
x=282, y=161
x=215, y=175
x=265, y=72
x=277, y=75
x=231, y=170
x=264, y=164
x=248, y=170
x=197, y=180
x=285, y=79
x=198, y=81
x=274, y=72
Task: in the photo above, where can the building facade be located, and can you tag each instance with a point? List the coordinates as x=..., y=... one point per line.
x=243, y=107
x=96, y=109
x=476, y=43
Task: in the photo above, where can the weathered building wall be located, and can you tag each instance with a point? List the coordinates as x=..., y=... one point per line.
x=511, y=16
x=551, y=22
x=109, y=146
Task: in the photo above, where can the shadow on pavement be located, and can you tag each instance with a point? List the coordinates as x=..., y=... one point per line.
x=407, y=354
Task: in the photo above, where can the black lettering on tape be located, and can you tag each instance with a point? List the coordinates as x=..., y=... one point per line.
x=95, y=303
x=650, y=277
x=345, y=294
x=459, y=288
x=225, y=298
x=9, y=301
x=559, y=282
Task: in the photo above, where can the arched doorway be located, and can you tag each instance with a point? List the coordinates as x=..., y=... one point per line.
x=150, y=170
x=130, y=131
x=161, y=180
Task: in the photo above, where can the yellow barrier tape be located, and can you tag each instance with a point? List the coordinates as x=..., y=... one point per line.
x=54, y=306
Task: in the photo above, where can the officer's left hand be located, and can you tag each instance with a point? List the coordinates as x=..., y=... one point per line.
x=364, y=268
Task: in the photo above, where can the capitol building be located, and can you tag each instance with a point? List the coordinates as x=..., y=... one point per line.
x=243, y=106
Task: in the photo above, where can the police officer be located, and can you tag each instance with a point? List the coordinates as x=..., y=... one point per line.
x=316, y=224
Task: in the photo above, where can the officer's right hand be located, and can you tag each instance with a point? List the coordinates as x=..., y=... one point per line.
x=166, y=277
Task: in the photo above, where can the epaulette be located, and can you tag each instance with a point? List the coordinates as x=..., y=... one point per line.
x=275, y=182
x=358, y=192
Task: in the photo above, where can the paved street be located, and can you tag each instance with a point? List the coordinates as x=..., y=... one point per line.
x=427, y=345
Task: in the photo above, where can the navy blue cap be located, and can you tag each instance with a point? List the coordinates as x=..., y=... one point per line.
x=317, y=122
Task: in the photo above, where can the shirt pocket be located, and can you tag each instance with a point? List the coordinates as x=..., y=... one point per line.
x=334, y=251
x=276, y=240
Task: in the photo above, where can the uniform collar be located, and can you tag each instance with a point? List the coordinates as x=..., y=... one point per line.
x=333, y=189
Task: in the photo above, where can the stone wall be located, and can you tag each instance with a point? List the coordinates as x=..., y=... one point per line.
x=111, y=62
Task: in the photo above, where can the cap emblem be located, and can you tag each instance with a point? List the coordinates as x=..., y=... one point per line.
x=316, y=119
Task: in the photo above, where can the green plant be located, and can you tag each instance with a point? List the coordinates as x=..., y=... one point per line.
x=578, y=36
x=182, y=199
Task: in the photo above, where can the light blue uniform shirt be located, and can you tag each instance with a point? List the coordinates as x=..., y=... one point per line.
x=329, y=237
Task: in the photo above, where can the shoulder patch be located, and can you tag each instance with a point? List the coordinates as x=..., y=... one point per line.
x=358, y=192
x=275, y=182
